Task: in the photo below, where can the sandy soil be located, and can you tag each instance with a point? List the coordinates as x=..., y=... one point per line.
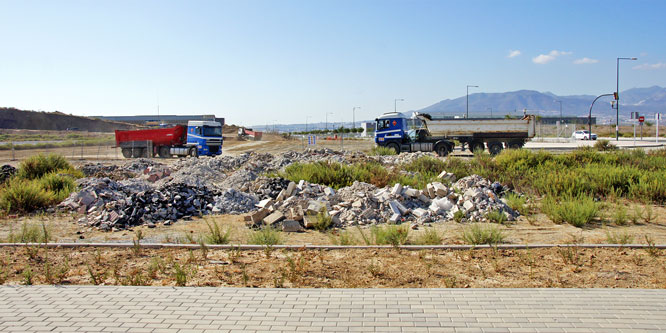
x=555, y=267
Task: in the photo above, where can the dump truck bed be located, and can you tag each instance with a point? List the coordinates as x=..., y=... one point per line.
x=171, y=136
x=480, y=127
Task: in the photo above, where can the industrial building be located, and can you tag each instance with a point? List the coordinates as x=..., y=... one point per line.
x=162, y=119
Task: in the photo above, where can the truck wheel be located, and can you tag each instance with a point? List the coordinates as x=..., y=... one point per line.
x=515, y=145
x=495, y=148
x=442, y=150
x=165, y=152
x=476, y=145
x=137, y=152
x=127, y=152
x=394, y=146
x=193, y=152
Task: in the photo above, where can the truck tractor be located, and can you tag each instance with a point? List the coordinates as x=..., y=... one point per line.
x=422, y=132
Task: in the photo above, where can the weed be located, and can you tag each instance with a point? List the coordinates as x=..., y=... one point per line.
x=96, y=277
x=622, y=237
x=652, y=250
x=365, y=238
x=570, y=255
x=323, y=221
x=517, y=202
x=636, y=214
x=180, y=274
x=478, y=233
x=450, y=281
x=28, y=276
x=430, y=236
x=604, y=145
x=374, y=269
x=266, y=236
x=390, y=235
x=139, y=235
x=620, y=215
x=458, y=216
x=381, y=151
x=30, y=233
x=649, y=215
x=135, y=278
x=204, y=249
x=244, y=276
x=136, y=247
x=577, y=211
x=343, y=238
x=216, y=235
x=496, y=216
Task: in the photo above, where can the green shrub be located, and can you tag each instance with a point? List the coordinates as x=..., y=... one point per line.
x=478, y=233
x=323, y=221
x=381, y=151
x=266, y=236
x=39, y=165
x=604, y=145
x=20, y=195
x=390, y=235
x=430, y=236
x=458, y=216
x=620, y=216
x=58, y=184
x=577, y=211
x=622, y=237
x=339, y=175
x=216, y=235
x=517, y=202
x=496, y=216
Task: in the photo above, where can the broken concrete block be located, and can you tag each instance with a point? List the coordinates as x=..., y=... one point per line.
x=329, y=191
x=264, y=203
x=424, y=199
x=394, y=207
x=394, y=218
x=259, y=215
x=309, y=221
x=296, y=213
x=402, y=208
x=281, y=196
x=275, y=217
x=412, y=192
x=468, y=205
x=440, y=189
x=290, y=189
x=300, y=184
x=315, y=206
x=431, y=191
x=419, y=212
x=397, y=189
x=443, y=204
x=291, y=226
x=357, y=204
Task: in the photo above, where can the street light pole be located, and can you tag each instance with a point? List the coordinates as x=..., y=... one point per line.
x=467, y=108
x=327, y=119
x=306, y=123
x=395, y=104
x=354, y=116
x=491, y=112
x=617, y=92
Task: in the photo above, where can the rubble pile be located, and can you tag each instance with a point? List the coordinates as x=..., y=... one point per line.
x=6, y=172
x=234, y=202
x=140, y=164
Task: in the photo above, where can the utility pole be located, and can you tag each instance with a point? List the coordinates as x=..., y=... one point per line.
x=395, y=104
x=467, y=108
x=354, y=116
x=617, y=98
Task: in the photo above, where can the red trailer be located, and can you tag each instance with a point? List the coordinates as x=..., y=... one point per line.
x=147, y=143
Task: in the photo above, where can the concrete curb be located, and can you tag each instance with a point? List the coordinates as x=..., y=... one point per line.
x=334, y=247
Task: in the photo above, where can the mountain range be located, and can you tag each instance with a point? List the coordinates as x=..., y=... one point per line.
x=646, y=101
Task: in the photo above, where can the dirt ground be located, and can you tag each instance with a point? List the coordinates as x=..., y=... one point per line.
x=478, y=268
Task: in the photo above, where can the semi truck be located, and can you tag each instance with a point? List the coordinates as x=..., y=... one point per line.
x=197, y=139
x=422, y=132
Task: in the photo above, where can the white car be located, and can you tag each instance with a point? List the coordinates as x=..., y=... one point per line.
x=583, y=135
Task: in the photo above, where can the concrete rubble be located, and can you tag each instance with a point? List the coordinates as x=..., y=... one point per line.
x=6, y=172
x=160, y=193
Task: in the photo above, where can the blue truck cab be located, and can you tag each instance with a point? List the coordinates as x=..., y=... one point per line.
x=205, y=136
x=390, y=128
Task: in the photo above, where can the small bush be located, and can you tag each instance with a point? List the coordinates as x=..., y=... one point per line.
x=266, y=236
x=59, y=184
x=458, y=216
x=323, y=221
x=343, y=238
x=477, y=234
x=496, y=216
x=517, y=202
x=429, y=237
x=22, y=195
x=604, y=145
x=381, y=151
x=39, y=165
x=216, y=235
x=622, y=238
x=577, y=211
x=620, y=215
x=390, y=235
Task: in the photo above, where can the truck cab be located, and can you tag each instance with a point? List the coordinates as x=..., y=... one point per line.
x=205, y=136
x=390, y=129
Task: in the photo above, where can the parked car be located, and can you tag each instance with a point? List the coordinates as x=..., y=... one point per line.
x=583, y=135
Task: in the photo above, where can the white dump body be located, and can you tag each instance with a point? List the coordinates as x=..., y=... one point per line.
x=481, y=126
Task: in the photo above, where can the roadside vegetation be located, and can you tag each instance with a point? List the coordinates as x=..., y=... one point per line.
x=67, y=140
x=41, y=181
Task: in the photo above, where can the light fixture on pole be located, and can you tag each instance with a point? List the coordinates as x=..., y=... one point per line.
x=617, y=98
x=395, y=104
x=354, y=116
x=467, y=107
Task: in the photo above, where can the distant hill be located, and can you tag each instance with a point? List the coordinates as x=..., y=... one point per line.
x=647, y=101
x=12, y=118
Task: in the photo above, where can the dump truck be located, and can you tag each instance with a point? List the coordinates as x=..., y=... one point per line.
x=196, y=139
x=422, y=132
x=248, y=133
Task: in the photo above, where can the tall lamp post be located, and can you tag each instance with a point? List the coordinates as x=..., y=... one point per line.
x=354, y=116
x=617, y=98
x=327, y=113
x=306, y=122
x=491, y=112
x=560, y=115
x=467, y=108
x=395, y=103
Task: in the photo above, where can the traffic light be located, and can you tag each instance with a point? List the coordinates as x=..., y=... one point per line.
x=615, y=95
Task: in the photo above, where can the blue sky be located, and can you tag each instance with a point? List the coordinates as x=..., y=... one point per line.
x=256, y=62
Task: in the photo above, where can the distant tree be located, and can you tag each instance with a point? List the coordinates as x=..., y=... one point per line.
x=648, y=124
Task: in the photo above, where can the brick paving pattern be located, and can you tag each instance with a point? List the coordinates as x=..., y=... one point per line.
x=167, y=309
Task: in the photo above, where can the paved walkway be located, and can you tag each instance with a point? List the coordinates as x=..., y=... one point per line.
x=166, y=309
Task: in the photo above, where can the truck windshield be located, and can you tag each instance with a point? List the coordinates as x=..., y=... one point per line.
x=212, y=131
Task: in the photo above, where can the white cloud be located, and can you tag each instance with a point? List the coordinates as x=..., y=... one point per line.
x=513, y=53
x=647, y=67
x=585, y=60
x=546, y=58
